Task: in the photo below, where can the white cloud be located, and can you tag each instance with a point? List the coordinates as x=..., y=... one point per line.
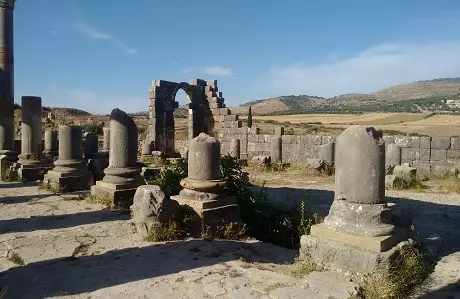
x=88, y=30
x=90, y=101
x=218, y=71
x=368, y=71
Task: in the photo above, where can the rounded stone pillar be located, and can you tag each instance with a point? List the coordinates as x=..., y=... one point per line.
x=146, y=148
x=91, y=146
x=204, y=158
x=106, y=140
x=123, y=150
x=393, y=155
x=7, y=78
x=276, y=149
x=31, y=130
x=327, y=153
x=359, y=207
x=70, y=150
x=235, y=148
x=51, y=142
x=360, y=166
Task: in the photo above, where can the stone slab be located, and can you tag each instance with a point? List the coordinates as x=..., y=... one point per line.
x=376, y=244
x=120, y=198
x=67, y=183
x=117, y=186
x=28, y=174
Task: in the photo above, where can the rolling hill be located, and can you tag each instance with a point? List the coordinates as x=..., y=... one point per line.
x=422, y=96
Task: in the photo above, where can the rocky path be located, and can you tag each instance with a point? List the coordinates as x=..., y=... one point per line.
x=63, y=247
x=69, y=248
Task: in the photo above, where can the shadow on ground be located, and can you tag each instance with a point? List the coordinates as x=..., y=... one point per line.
x=90, y=273
x=435, y=223
x=35, y=223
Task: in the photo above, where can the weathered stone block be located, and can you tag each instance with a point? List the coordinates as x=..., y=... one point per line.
x=262, y=147
x=441, y=143
x=425, y=142
x=453, y=154
x=327, y=139
x=389, y=139
x=415, y=141
x=230, y=117
x=438, y=154
x=392, y=155
x=267, y=138
x=317, y=139
x=279, y=131
x=306, y=140
x=408, y=154
x=403, y=141
x=288, y=139
x=405, y=172
x=423, y=154
x=261, y=160
x=455, y=143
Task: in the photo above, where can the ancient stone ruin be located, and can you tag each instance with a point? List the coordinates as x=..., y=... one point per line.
x=358, y=233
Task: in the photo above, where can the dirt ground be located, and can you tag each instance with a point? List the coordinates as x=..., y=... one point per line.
x=64, y=247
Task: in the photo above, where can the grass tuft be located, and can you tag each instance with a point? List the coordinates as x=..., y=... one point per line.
x=16, y=258
x=169, y=231
x=302, y=268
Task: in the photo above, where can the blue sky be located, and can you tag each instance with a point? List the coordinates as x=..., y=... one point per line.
x=103, y=54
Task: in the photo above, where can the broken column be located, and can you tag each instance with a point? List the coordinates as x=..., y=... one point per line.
x=357, y=235
x=7, y=154
x=32, y=165
x=51, y=143
x=204, y=187
x=392, y=157
x=122, y=177
x=106, y=139
x=327, y=155
x=235, y=148
x=276, y=149
x=69, y=173
x=91, y=146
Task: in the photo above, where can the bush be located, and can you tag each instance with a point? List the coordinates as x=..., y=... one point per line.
x=169, y=178
x=94, y=129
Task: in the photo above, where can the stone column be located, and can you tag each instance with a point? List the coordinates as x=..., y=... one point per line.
x=106, y=143
x=31, y=161
x=7, y=154
x=392, y=157
x=204, y=187
x=235, y=148
x=122, y=177
x=51, y=143
x=91, y=146
x=69, y=173
x=358, y=227
x=276, y=149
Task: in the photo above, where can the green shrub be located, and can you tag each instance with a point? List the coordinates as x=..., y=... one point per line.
x=169, y=178
x=94, y=129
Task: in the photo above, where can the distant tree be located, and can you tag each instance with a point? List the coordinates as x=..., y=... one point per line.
x=17, y=106
x=250, y=117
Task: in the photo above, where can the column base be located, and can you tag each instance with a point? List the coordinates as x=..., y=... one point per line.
x=68, y=182
x=34, y=172
x=210, y=213
x=120, y=195
x=349, y=253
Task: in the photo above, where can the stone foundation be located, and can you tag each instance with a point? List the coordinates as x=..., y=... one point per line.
x=32, y=172
x=349, y=253
x=67, y=182
x=121, y=195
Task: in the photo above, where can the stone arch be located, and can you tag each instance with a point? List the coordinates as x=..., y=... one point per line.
x=201, y=97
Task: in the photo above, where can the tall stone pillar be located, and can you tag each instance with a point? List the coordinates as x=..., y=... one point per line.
x=276, y=149
x=204, y=187
x=122, y=177
x=91, y=146
x=51, y=143
x=7, y=153
x=106, y=139
x=69, y=173
x=31, y=161
x=357, y=235
x=235, y=148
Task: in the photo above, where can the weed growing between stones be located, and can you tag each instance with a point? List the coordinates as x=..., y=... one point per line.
x=104, y=200
x=16, y=258
x=169, y=231
x=450, y=185
x=50, y=188
x=169, y=178
x=406, y=270
x=302, y=268
x=402, y=184
x=11, y=175
x=151, y=160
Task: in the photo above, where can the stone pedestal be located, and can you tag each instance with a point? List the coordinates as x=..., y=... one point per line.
x=69, y=173
x=204, y=188
x=357, y=236
x=51, y=144
x=32, y=164
x=122, y=177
